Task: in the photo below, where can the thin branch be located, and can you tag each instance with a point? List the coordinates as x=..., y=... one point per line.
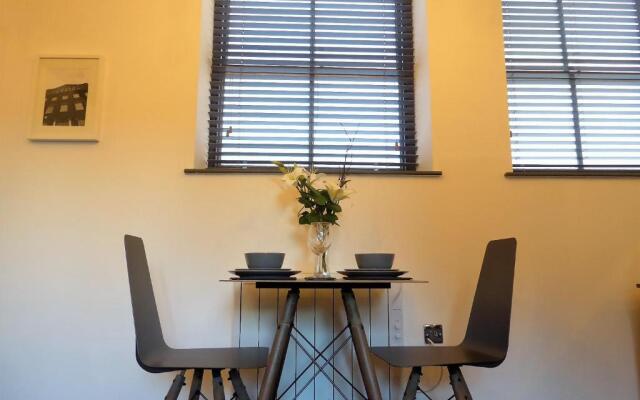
x=344, y=170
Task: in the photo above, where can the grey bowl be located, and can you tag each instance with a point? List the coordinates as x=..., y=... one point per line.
x=375, y=260
x=264, y=260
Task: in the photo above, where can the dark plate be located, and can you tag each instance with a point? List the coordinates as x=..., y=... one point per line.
x=244, y=273
x=264, y=278
x=372, y=273
x=376, y=278
x=262, y=270
x=375, y=270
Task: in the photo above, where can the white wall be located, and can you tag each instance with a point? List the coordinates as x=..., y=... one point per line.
x=65, y=324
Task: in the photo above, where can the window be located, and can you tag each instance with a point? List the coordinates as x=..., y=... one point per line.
x=574, y=83
x=313, y=82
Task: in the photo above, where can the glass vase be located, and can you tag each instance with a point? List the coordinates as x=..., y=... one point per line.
x=320, y=239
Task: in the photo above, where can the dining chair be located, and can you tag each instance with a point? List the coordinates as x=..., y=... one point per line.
x=155, y=356
x=487, y=338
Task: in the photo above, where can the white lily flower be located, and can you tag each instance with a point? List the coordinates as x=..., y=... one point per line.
x=346, y=193
x=315, y=177
x=336, y=193
x=294, y=175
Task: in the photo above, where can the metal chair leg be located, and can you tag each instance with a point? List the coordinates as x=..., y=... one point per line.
x=218, y=386
x=413, y=383
x=196, y=384
x=176, y=387
x=459, y=385
x=238, y=386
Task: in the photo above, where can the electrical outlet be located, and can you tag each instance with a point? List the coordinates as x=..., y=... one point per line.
x=433, y=334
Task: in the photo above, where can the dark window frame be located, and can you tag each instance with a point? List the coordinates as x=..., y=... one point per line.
x=573, y=73
x=406, y=144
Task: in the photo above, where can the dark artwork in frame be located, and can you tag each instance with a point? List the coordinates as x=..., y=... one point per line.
x=66, y=105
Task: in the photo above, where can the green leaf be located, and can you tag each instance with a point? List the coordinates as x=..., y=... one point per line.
x=332, y=218
x=304, y=218
x=319, y=198
x=281, y=167
x=306, y=201
x=336, y=208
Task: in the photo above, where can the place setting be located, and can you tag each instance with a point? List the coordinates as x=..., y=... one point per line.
x=264, y=266
x=374, y=266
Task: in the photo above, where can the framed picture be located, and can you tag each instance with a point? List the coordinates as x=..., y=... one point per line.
x=67, y=105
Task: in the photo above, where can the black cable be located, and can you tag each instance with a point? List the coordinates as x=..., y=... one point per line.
x=424, y=393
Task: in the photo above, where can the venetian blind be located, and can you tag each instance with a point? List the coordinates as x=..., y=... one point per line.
x=574, y=83
x=312, y=82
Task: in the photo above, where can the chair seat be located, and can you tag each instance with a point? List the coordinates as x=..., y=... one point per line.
x=222, y=358
x=428, y=356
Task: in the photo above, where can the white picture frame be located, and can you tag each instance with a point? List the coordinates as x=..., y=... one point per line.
x=67, y=99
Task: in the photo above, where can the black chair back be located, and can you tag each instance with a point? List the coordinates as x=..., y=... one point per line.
x=149, y=339
x=490, y=318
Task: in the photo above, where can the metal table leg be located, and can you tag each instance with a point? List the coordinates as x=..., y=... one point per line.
x=361, y=346
x=278, y=352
